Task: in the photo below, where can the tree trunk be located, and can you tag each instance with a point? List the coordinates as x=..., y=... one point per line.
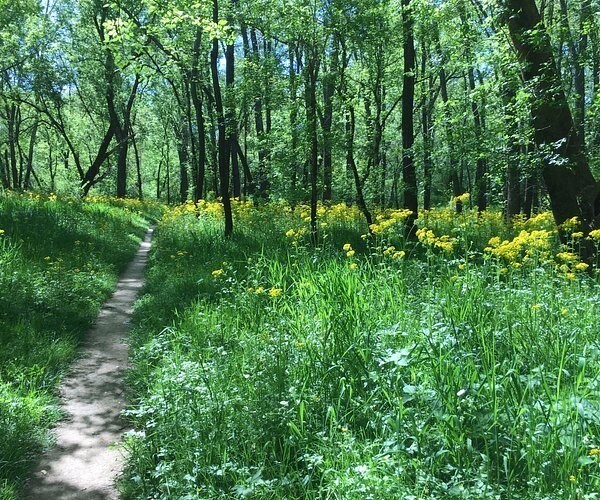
x=224, y=153
x=409, y=175
x=32, y=139
x=570, y=183
x=196, y=98
x=183, y=136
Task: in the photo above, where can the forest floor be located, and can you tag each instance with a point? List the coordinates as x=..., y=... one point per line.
x=85, y=463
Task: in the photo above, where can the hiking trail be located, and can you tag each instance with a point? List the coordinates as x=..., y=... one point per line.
x=84, y=463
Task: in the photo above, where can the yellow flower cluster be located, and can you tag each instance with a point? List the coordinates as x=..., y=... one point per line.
x=428, y=238
x=389, y=221
x=272, y=292
x=296, y=235
x=392, y=253
x=527, y=248
x=463, y=198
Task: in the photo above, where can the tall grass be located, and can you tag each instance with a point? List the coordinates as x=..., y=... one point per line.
x=59, y=259
x=267, y=369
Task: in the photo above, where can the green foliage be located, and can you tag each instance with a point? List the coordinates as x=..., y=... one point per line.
x=290, y=372
x=59, y=259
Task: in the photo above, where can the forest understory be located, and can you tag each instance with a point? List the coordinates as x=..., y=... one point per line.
x=462, y=364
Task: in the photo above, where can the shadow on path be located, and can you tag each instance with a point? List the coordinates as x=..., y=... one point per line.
x=84, y=463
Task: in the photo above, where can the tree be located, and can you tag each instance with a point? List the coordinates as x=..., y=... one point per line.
x=571, y=185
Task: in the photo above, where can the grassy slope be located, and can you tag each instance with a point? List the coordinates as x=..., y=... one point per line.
x=293, y=373
x=59, y=260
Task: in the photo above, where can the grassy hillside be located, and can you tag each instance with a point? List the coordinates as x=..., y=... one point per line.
x=59, y=260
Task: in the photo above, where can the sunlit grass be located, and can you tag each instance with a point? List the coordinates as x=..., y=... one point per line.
x=59, y=259
x=368, y=367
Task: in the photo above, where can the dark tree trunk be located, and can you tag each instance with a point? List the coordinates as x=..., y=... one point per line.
x=138, y=165
x=29, y=170
x=409, y=174
x=571, y=185
x=183, y=134
x=351, y=165
x=224, y=153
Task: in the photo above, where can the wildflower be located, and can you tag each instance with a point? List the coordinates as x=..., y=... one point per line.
x=577, y=235
x=581, y=266
x=259, y=290
x=566, y=257
x=350, y=253
x=595, y=234
x=536, y=307
x=399, y=255
x=275, y=292
x=217, y=272
x=353, y=266
x=572, y=478
x=594, y=452
x=347, y=247
x=300, y=344
x=1, y=232
x=563, y=311
x=290, y=233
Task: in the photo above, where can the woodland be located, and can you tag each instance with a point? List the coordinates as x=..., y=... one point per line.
x=375, y=270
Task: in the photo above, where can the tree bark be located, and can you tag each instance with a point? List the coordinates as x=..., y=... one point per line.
x=223, y=143
x=409, y=174
x=570, y=183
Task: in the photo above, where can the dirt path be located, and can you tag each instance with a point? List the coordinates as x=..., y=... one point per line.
x=84, y=463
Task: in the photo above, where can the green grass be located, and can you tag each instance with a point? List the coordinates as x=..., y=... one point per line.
x=59, y=260
x=428, y=377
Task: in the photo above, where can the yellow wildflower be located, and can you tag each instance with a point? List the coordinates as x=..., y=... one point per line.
x=217, y=272
x=536, y=307
x=275, y=292
x=594, y=452
x=350, y=253
x=347, y=247
x=353, y=266
x=566, y=257
x=581, y=266
x=595, y=234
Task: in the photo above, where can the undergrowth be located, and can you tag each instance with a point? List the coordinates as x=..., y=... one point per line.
x=59, y=260
x=265, y=368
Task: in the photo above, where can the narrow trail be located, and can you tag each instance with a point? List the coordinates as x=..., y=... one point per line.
x=84, y=463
